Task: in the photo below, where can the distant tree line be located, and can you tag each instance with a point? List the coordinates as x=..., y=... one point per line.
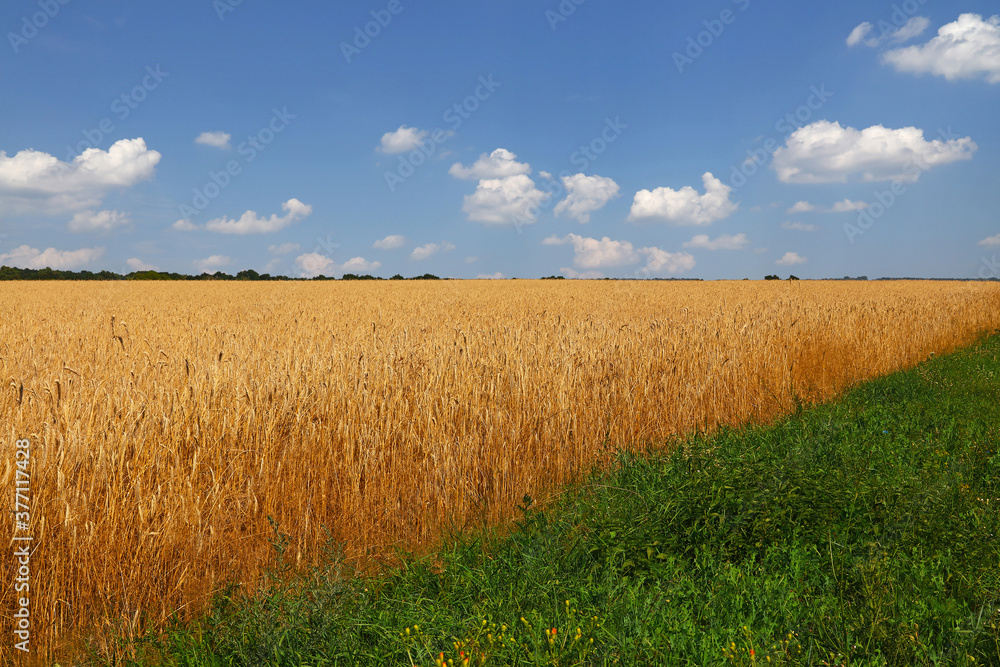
x=354, y=276
x=14, y=273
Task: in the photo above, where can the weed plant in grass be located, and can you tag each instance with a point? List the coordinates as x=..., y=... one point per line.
x=863, y=532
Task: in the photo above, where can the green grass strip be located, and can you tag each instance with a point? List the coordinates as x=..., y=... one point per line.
x=862, y=532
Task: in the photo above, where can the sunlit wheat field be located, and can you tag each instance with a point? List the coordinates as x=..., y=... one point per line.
x=169, y=421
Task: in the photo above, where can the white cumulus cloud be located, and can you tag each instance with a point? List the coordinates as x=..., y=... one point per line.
x=825, y=152
x=491, y=276
x=315, y=264
x=573, y=274
x=967, y=48
x=251, y=223
x=283, y=249
x=799, y=226
x=214, y=139
x=505, y=201
x=724, y=242
x=791, y=259
x=213, y=263
x=801, y=207
x=844, y=206
x=685, y=206
x=914, y=27
x=860, y=31
x=98, y=221
x=402, y=140
x=35, y=182
x=390, y=242
x=597, y=254
x=585, y=194
x=137, y=264
x=991, y=242
x=26, y=257
x=505, y=194
x=359, y=265
x=661, y=262
x=430, y=249
x=501, y=163
x=848, y=206
x=605, y=253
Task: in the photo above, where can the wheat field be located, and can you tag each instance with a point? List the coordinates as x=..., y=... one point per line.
x=168, y=421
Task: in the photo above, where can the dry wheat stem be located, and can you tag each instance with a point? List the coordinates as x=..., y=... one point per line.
x=168, y=421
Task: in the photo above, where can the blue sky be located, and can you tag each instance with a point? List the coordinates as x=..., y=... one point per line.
x=584, y=138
